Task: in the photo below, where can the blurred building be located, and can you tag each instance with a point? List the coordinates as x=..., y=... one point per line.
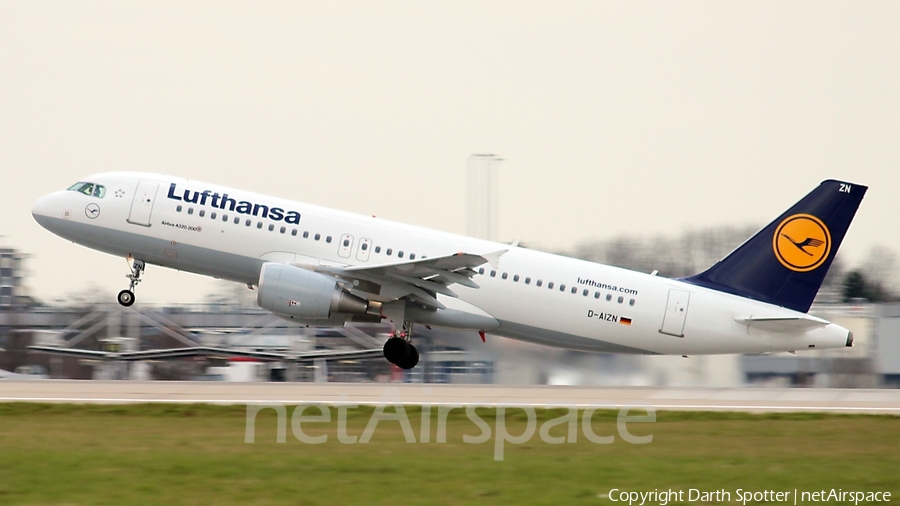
x=12, y=275
x=446, y=356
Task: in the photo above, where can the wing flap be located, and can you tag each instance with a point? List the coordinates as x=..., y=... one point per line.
x=426, y=284
x=420, y=279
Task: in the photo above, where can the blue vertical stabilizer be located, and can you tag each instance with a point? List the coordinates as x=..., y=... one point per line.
x=785, y=262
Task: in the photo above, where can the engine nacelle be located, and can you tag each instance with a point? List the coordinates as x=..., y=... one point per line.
x=292, y=291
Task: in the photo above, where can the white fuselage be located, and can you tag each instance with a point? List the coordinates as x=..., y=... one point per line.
x=589, y=307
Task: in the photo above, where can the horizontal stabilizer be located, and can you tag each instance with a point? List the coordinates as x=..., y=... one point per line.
x=793, y=324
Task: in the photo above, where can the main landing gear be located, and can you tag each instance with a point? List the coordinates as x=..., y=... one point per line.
x=126, y=297
x=399, y=350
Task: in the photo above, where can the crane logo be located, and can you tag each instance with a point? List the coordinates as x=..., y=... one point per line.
x=802, y=242
x=92, y=210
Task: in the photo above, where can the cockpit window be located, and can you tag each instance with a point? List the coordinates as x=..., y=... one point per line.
x=85, y=188
x=89, y=189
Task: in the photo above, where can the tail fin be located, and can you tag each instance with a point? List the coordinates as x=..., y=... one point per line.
x=785, y=262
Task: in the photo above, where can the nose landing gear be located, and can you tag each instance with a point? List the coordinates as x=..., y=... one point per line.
x=399, y=349
x=126, y=297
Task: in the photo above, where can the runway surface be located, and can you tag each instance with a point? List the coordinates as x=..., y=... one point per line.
x=680, y=399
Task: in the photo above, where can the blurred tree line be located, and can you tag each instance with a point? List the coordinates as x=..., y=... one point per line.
x=693, y=251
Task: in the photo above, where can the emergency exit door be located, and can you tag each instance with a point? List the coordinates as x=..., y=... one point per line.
x=346, y=246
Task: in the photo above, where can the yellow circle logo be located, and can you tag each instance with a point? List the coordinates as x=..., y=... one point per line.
x=802, y=242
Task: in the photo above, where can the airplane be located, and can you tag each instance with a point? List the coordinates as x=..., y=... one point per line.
x=323, y=267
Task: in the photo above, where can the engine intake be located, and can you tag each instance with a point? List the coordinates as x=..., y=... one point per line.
x=292, y=291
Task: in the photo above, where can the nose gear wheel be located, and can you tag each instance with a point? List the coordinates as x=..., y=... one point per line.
x=126, y=297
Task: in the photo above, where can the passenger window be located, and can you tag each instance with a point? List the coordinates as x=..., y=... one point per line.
x=389, y=251
x=212, y=216
x=493, y=274
x=621, y=299
x=527, y=281
x=562, y=288
x=631, y=302
x=178, y=209
x=202, y=213
x=608, y=297
x=377, y=249
x=575, y=290
x=516, y=278
x=400, y=254
x=412, y=256
x=346, y=242
x=481, y=270
x=306, y=235
x=596, y=295
x=258, y=224
x=271, y=227
x=328, y=239
x=539, y=283
x=317, y=237
x=294, y=232
x=247, y=223
x=364, y=246
x=190, y=210
x=505, y=275
x=550, y=285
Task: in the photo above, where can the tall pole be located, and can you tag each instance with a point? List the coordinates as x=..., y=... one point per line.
x=482, y=196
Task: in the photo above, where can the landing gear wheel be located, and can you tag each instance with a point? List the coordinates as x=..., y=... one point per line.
x=126, y=298
x=411, y=360
x=396, y=350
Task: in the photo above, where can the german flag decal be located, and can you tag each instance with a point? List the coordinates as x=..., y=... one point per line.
x=625, y=321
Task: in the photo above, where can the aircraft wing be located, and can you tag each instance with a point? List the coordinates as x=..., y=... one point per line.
x=417, y=279
x=207, y=351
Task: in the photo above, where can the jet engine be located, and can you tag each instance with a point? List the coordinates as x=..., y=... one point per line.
x=292, y=291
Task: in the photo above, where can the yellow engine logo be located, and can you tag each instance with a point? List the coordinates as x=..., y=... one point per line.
x=802, y=242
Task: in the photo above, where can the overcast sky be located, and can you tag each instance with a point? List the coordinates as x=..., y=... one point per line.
x=613, y=117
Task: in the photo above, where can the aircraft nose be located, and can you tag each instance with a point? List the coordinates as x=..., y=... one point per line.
x=42, y=206
x=45, y=208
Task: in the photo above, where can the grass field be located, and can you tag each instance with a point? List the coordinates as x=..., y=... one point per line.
x=177, y=454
